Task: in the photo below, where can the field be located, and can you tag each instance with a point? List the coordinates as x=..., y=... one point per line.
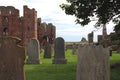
x=49, y=71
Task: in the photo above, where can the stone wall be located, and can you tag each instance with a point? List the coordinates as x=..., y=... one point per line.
x=30, y=24
x=25, y=27
x=109, y=42
x=9, y=21
x=46, y=33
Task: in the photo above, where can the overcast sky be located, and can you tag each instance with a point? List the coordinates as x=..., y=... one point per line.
x=50, y=12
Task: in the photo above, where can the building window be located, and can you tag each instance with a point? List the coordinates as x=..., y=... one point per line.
x=9, y=12
x=5, y=21
x=28, y=28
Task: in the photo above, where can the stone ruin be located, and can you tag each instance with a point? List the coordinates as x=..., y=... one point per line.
x=26, y=27
x=23, y=27
x=46, y=33
x=107, y=41
x=93, y=63
x=12, y=57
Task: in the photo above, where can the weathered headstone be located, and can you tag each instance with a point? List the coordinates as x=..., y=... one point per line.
x=99, y=39
x=83, y=41
x=93, y=63
x=104, y=32
x=47, y=51
x=74, y=49
x=90, y=37
x=118, y=50
x=33, y=51
x=12, y=58
x=110, y=50
x=59, y=55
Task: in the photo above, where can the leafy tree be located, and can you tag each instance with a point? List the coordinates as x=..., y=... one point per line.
x=85, y=10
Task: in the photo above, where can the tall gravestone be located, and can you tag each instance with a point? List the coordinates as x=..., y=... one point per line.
x=59, y=55
x=93, y=63
x=90, y=37
x=47, y=51
x=12, y=58
x=99, y=39
x=33, y=51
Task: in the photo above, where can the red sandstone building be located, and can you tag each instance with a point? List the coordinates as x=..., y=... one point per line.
x=23, y=27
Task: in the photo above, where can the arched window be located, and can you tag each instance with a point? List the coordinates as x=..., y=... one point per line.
x=5, y=31
x=5, y=25
x=9, y=11
x=5, y=21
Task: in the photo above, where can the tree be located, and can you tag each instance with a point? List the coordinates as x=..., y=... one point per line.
x=85, y=10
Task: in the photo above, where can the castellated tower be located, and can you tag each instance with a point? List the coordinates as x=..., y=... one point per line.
x=29, y=24
x=23, y=27
x=10, y=21
x=26, y=27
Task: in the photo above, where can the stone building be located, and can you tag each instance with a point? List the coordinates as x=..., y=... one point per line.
x=50, y=32
x=10, y=22
x=107, y=41
x=25, y=27
x=46, y=33
x=30, y=24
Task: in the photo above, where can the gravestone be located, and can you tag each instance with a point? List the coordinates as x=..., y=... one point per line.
x=118, y=50
x=90, y=37
x=12, y=57
x=47, y=51
x=100, y=39
x=74, y=48
x=59, y=55
x=33, y=51
x=93, y=63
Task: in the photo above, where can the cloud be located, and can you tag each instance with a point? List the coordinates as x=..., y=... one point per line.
x=50, y=12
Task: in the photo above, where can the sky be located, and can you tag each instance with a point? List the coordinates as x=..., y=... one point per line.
x=50, y=12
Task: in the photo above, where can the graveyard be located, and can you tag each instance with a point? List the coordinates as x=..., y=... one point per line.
x=47, y=70
x=30, y=50
x=52, y=71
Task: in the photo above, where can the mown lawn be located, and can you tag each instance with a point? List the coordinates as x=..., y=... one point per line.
x=115, y=72
x=49, y=71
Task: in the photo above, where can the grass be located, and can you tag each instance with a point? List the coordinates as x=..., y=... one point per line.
x=115, y=58
x=49, y=71
x=115, y=72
